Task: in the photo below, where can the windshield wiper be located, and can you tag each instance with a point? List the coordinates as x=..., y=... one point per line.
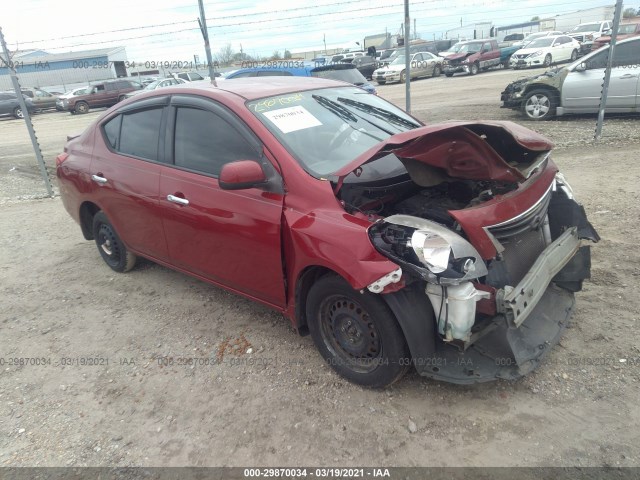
x=378, y=112
x=335, y=107
x=347, y=114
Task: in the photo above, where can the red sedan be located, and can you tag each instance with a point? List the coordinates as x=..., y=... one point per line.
x=455, y=248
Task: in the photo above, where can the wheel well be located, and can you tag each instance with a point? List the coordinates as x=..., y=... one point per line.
x=552, y=91
x=87, y=212
x=306, y=279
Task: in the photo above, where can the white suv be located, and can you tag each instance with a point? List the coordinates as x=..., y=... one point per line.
x=586, y=33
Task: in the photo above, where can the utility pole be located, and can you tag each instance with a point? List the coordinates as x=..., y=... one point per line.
x=407, y=59
x=607, y=72
x=26, y=115
x=202, y=21
x=415, y=30
x=324, y=39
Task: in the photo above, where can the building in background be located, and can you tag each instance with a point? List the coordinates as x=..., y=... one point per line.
x=37, y=68
x=567, y=21
x=471, y=32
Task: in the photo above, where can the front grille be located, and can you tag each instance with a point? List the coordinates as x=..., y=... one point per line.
x=523, y=240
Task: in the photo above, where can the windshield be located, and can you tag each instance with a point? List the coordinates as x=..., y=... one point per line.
x=399, y=60
x=587, y=27
x=541, y=42
x=152, y=85
x=350, y=75
x=466, y=47
x=326, y=129
x=533, y=36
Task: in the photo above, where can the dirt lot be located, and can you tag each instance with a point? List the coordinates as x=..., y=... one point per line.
x=280, y=404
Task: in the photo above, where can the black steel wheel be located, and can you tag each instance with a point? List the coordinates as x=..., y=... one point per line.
x=111, y=248
x=356, y=333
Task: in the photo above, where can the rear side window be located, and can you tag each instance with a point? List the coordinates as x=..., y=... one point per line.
x=204, y=142
x=112, y=131
x=140, y=133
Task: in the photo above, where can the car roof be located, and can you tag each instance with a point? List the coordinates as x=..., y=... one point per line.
x=251, y=88
x=303, y=71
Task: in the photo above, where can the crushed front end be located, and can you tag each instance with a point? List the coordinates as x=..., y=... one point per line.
x=489, y=264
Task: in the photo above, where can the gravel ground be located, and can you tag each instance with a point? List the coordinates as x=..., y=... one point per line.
x=266, y=398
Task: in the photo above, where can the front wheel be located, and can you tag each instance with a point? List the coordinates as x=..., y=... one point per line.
x=403, y=77
x=540, y=105
x=574, y=55
x=449, y=75
x=547, y=60
x=81, y=107
x=474, y=69
x=381, y=83
x=111, y=248
x=17, y=112
x=437, y=71
x=356, y=333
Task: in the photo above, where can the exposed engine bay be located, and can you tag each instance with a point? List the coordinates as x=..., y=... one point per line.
x=408, y=198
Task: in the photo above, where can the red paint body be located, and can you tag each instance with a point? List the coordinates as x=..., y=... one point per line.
x=258, y=243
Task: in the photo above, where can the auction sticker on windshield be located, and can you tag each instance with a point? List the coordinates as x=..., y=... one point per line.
x=292, y=119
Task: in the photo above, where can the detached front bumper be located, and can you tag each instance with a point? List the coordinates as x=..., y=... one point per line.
x=455, y=68
x=529, y=318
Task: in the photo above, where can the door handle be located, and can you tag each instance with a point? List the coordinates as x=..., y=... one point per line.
x=628, y=75
x=178, y=200
x=99, y=178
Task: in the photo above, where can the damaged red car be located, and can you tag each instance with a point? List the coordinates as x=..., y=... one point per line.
x=454, y=248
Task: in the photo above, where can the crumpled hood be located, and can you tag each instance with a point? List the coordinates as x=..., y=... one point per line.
x=489, y=150
x=459, y=56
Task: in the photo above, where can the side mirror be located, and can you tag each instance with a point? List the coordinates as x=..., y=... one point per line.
x=241, y=175
x=581, y=67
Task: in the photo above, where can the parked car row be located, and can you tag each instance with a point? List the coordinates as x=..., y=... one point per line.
x=576, y=88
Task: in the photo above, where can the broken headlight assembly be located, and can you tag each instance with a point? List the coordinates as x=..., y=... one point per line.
x=428, y=249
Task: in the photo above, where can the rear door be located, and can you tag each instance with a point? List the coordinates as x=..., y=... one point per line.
x=581, y=90
x=125, y=172
x=229, y=237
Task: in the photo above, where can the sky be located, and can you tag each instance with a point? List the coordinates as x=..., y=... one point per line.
x=167, y=30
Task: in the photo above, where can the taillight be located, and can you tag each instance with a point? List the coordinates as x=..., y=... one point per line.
x=61, y=158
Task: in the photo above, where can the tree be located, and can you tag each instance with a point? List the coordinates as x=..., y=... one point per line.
x=287, y=54
x=535, y=19
x=225, y=54
x=275, y=55
x=629, y=13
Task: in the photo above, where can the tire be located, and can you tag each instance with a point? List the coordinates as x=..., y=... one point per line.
x=111, y=248
x=381, y=83
x=574, y=55
x=356, y=333
x=474, y=69
x=81, y=107
x=17, y=112
x=547, y=60
x=403, y=76
x=449, y=75
x=540, y=105
x=121, y=98
x=437, y=71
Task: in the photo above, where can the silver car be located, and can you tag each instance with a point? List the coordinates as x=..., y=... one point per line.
x=577, y=87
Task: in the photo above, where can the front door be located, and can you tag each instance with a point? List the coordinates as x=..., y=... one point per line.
x=230, y=237
x=581, y=91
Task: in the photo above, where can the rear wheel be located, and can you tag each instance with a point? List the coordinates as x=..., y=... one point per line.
x=449, y=74
x=111, y=248
x=381, y=83
x=81, y=107
x=356, y=333
x=547, y=60
x=403, y=77
x=574, y=55
x=540, y=105
x=121, y=98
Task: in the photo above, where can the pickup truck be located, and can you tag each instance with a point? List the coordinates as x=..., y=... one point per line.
x=471, y=57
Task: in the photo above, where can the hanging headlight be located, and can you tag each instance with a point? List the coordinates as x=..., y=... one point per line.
x=427, y=248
